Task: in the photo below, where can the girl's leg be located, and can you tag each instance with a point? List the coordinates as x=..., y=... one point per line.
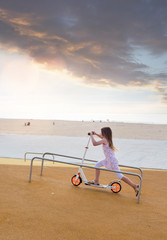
x=133, y=185
x=97, y=175
x=97, y=171
x=127, y=180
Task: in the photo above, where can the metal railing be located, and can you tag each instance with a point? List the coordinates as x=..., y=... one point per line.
x=85, y=166
x=87, y=160
x=32, y=153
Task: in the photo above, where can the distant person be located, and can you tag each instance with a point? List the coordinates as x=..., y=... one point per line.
x=110, y=161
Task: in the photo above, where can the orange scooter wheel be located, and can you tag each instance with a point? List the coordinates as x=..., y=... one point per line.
x=116, y=187
x=76, y=182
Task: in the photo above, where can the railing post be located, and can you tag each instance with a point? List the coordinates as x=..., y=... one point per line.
x=42, y=165
x=31, y=169
x=138, y=197
x=25, y=157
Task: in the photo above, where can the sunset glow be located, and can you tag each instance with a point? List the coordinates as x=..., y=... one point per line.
x=82, y=60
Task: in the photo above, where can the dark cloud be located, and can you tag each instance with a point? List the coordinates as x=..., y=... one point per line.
x=92, y=39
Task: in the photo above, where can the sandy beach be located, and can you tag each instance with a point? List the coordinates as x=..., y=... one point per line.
x=78, y=128
x=50, y=207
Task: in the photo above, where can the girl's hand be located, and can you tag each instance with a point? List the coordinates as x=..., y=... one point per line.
x=91, y=133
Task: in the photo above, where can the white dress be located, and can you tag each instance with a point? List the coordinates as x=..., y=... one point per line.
x=110, y=161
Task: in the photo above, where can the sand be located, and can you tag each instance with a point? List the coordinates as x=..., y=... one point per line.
x=76, y=128
x=50, y=207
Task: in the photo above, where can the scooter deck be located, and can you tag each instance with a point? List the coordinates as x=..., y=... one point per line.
x=98, y=185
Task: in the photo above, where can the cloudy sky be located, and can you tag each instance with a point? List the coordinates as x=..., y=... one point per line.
x=60, y=59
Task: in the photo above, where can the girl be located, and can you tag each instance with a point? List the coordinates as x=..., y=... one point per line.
x=110, y=161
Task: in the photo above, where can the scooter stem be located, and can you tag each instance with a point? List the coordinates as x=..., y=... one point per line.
x=86, y=148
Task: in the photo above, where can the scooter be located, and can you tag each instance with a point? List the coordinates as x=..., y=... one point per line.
x=114, y=186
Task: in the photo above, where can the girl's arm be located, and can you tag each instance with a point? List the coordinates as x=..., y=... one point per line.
x=100, y=136
x=95, y=143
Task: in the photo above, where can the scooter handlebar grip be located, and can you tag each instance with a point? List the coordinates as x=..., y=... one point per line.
x=92, y=133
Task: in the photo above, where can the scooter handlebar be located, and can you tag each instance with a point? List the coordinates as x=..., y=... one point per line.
x=92, y=133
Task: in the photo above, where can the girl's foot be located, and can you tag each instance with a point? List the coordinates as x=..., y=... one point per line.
x=93, y=182
x=137, y=190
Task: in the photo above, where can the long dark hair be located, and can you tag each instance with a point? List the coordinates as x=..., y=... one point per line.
x=107, y=133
